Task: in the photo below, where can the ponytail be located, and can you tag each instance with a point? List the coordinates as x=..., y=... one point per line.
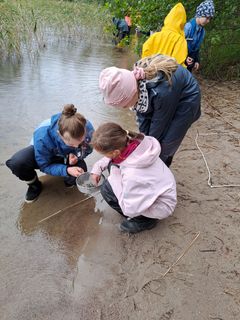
x=110, y=136
x=72, y=122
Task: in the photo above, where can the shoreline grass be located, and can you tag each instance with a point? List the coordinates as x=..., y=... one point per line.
x=27, y=25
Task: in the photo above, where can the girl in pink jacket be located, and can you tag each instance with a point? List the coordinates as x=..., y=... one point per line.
x=140, y=186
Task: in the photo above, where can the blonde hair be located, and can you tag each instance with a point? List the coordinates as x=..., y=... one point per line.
x=72, y=122
x=110, y=136
x=155, y=64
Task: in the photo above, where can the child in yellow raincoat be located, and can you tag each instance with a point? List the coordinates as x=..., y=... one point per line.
x=170, y=40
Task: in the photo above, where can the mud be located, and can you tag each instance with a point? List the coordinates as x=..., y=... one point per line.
x=78, y=265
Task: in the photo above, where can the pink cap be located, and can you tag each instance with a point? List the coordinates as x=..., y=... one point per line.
x=118, y=86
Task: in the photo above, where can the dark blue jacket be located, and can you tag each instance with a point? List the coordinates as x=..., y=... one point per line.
x=121, y=25
x=48, y=145
x=172, y=108
x=194, y=35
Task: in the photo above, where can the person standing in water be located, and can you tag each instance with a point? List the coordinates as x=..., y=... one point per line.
x=59, y=147
x=165, y=96
x=122, y=29
x=140, y=186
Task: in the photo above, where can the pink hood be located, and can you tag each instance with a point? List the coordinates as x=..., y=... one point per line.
x=144, y=155
x=143, y=184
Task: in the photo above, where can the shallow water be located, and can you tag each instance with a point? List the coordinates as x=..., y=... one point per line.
x=46, y=262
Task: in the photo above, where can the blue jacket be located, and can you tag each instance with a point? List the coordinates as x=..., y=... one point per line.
x=172, y=108
x=121, y=25
x=48, y=145
x=194, y=35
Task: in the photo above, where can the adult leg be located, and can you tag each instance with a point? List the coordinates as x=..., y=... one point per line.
x=23, y=165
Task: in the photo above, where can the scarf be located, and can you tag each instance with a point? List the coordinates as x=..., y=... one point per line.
x=126, y=151
x=142, y=104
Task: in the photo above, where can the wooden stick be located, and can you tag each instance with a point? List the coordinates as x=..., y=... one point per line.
x=71, y=206
x=170, y=268
x=182, y=255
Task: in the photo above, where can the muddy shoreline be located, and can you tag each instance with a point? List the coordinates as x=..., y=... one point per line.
x=78, y=265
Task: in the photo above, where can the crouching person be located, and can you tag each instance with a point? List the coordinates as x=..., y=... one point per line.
x=59, y=146
x=140, y=186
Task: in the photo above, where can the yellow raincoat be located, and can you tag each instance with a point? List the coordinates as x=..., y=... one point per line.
x=170, y=40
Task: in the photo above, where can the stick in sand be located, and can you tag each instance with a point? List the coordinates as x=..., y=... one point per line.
x=71, y=206
x=169, y=269
x=183, y=254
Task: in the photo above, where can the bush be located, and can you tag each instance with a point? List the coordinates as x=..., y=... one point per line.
x=221, y=48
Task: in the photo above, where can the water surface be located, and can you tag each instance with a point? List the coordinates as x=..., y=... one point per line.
x=46, y=267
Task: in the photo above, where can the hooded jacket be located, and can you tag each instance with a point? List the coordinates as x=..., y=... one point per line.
x=171, y=108
x=48, y=145
x=121, y=24
x=170, y=40
x=142, y=183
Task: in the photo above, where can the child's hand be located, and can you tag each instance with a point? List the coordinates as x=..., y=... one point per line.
x=95, y=178
x=189, y=60
x=72, y=159
x=75, y=171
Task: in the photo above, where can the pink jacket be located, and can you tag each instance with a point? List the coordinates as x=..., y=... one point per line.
x=143, y=184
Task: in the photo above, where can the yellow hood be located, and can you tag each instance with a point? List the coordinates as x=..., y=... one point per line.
x=176, y=19
x=171, y=39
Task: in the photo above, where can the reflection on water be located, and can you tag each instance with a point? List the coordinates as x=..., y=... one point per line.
x=43, y=265
x=70, y=227
x=33, y=92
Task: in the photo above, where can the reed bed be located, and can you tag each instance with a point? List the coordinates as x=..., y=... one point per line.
x=28, y=25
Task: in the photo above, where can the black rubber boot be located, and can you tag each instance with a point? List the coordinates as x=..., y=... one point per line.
x=138, y=224
x=33, y=191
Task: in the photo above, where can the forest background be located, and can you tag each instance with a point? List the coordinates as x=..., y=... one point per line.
x=27, y=25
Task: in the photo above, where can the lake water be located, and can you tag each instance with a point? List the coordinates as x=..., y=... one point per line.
x=45, y=265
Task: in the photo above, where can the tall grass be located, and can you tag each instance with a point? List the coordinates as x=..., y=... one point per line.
x=28, y=25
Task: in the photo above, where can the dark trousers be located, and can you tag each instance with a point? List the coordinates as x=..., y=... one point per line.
x=109, y=196
x=23, y=165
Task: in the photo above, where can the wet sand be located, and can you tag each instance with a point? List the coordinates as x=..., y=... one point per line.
x=78, y=265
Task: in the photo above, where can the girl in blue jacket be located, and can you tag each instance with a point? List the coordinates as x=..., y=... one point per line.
x=59, y=146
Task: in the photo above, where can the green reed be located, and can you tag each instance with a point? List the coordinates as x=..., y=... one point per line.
x=28, y=25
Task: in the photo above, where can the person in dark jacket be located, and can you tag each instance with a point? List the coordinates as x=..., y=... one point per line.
x=58, y=148
x=122, y=27
x=195, y=33
x=165, y=96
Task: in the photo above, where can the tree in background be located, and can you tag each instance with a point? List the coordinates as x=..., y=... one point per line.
x=221, y=48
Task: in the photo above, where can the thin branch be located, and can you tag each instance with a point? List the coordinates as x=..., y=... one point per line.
x=173, y=265
x=210, y=184
x=68, y=207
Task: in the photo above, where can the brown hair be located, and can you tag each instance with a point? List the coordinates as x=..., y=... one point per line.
x=155, y=64
x=110, y=136
x=72, y=122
